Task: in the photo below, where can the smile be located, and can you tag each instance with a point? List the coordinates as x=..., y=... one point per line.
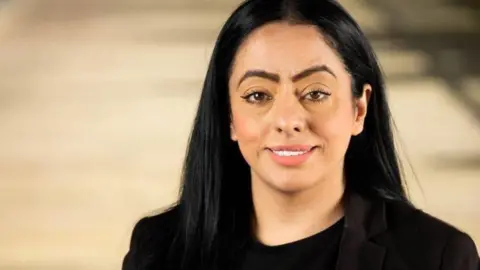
x=290, y=156
x=289, y=153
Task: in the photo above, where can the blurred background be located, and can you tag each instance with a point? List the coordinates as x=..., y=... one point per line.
x=97, y=99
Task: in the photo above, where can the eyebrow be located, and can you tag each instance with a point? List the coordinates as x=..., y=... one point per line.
x=276, y=78
x=260, y=73
x=309, y=71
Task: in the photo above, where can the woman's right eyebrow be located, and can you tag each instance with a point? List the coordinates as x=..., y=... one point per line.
x=261, y=74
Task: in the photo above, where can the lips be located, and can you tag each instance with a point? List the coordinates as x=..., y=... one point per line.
x=291, y=155
x=285, y=153
x=293, y=148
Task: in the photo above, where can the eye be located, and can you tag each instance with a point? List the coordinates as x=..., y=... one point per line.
x=316, y=95
x=256, y=97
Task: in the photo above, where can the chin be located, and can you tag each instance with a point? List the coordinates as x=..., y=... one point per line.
x=293, y=183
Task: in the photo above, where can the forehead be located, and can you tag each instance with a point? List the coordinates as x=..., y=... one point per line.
x=285, y=49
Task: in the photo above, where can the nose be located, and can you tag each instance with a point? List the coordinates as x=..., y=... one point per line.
x=290, y=117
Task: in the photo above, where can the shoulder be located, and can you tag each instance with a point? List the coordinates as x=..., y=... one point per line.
x=157, y=225
x=421, y=235
x=151, y=237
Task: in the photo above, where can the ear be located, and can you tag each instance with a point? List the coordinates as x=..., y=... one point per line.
x=361, y=106
x=233, y=133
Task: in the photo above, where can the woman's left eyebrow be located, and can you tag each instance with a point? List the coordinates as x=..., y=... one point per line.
x=312, y=70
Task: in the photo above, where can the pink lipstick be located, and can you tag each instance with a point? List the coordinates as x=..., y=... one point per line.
x=290, y=155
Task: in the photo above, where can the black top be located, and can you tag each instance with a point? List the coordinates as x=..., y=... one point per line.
x=378, y=234
x=317, y=252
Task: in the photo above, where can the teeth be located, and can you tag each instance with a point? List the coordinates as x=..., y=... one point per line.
x=289, y=153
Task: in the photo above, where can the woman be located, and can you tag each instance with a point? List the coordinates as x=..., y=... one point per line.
x=291, y=163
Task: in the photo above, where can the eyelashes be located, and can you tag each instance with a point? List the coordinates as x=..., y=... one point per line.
x=261, y=97
x=316, y=95
x=257, y=97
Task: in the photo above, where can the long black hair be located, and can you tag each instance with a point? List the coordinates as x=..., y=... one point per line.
x=215, y=204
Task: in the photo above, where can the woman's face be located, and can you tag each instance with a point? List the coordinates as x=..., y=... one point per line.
x=293, y=113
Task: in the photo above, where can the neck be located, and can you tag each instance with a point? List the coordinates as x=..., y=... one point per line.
x=283, y=218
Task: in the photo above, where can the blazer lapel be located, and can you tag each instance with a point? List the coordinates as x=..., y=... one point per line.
x=363, y=219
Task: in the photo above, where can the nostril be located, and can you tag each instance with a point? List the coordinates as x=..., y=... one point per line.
x=297, y=129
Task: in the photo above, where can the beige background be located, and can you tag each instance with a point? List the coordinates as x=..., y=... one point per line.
x=97, y=99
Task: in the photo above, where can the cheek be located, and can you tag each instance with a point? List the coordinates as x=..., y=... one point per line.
x=247, y=128
x=249, y=136
x=336, y=127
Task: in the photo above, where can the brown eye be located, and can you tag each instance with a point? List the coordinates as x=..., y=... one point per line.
x=256, y=97
x=316, y=95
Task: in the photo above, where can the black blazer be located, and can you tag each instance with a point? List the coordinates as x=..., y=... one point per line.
x=378, y=235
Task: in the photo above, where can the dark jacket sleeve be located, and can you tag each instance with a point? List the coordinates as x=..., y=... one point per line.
x=460, y=253
x=131, y=259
